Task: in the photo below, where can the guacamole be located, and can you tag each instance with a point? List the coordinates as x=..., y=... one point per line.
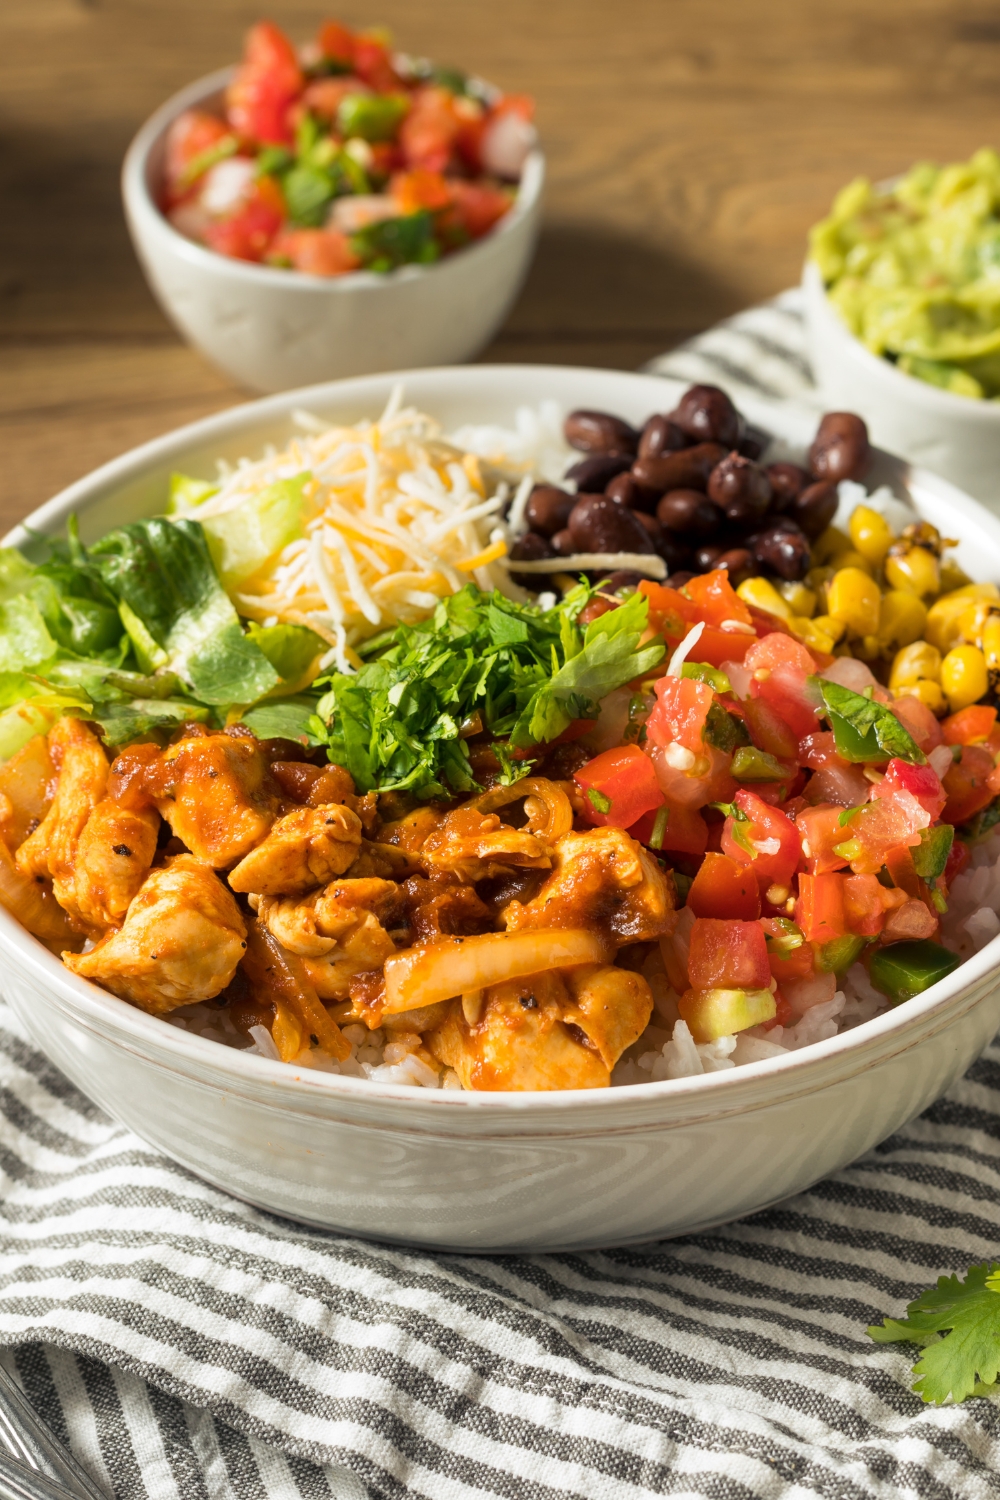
x=915, y=271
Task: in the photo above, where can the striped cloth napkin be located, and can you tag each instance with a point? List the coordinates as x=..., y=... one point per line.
x=189, y=1347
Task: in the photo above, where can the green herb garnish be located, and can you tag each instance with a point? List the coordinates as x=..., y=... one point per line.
x=965, y=1361
x=866, y=731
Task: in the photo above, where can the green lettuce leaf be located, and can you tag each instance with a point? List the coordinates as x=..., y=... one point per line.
x=120, y=723
x=162, y=572
x=282, y=719
x=292, y=650
x=246, y=539
x=28, y=706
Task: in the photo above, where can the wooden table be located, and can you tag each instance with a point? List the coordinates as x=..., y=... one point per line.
x=690, y=145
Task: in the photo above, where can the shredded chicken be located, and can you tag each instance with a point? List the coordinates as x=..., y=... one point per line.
x=182, y=939
x=305, y=848
x=216, y=793
x=50, y=853
x=603, y=879
x=520, y=1040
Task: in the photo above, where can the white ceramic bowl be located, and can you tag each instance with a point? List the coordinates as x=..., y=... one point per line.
x=272, y=329
x=953, y=435
x=494, y=1171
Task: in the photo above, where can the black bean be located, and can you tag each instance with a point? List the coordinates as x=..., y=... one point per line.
x=840, y=449
x=660, y=435
x=707, y=415
x=678, y=580
x=741, y=488
x=562, y=543
x=739, y=563
x=548, y=508
x=782, y=551
x=704, y=558
x=690, y=514
x=599, y=432
x=686, y=470
x=787, y=483
x=598, y=524
x=753, y=442
x=530, y=548
x=625, y=491
x=593, y=474
x=815, y=508
x=622, y=581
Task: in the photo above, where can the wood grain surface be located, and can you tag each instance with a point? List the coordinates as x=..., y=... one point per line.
x=690, y=144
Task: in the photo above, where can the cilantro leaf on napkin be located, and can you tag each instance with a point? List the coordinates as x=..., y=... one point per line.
x=966, y=1360
x=481, y=664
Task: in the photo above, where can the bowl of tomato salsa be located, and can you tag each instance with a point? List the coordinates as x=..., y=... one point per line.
x=332, y=210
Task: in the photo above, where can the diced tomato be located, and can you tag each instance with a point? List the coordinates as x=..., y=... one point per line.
x=902, y=872
x=864, y=908
x=728, y=955
x=795, y=965
x=784, y=1014
x=515, y=104
x=970, y=726
x=336, y=42
x=477, y=207
x=922, y=782
x=967, y=784
x=781, y=667
x=686, y=831
x=190, y=136
x=879, y=826
x=428, y=134
x=679, y=714
x=713, y=602
x=834, y=779
x=768, y=730
x=820, y=830
x=324, y=96
x=372, y=63
x=318, y=252
x=819, y=911
x=618, y=787
x=247, y=234
x=917, y=718
x=420, y=189
x=768, y=841
x=722, y=888
x=958, y=859
x=707, y=780
x=264, y=87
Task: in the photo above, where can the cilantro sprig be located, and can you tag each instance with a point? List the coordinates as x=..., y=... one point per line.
x=522, y=673
x=958, y=1324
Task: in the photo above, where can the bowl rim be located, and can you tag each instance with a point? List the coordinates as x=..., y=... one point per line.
x=142, y=207
x=154, y=1035
x=824, y=322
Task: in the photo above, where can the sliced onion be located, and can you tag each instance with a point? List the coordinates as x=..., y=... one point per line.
x=549, y=822
x=456, y=965
x=647, y=563
x=35, y=907
x=687, y=644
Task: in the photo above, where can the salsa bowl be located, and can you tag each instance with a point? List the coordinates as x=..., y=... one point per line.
x=495, y=1171
x=271, y=329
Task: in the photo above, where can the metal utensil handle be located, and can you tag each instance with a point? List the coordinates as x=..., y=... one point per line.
x=33, y=1444
x=17, y=1482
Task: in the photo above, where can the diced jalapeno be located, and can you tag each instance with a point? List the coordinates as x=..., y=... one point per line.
x=751, y=764
x=837, y=956
x=931, y=854
x=906, y=969
x=852, y=746
x=373, y=117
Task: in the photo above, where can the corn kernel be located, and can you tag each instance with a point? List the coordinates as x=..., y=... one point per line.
x=854, y=598
x=963, y=677
x=944, y=614
x=928, y=692
x=990, y=643
x=901, y=618
x=870, y=534
x=914, y=662
x=810, y=633
x=952, y=576
x=763, y=595
x=827, y=545
x=916, y=570
x=835, y=629
x=800, y=600
x=868, y=648
x=972, y=621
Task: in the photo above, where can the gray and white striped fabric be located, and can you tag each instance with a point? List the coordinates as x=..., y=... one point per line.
x=189, y=1347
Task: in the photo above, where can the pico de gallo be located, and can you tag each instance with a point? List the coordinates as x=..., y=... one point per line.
x=344, y=155
x=813, y=819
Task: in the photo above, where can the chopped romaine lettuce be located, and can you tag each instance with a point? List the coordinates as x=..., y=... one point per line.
x=244, y=540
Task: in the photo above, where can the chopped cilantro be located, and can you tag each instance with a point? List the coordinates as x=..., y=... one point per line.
x=866, y=731
x=528, y=674
x=659, y=832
